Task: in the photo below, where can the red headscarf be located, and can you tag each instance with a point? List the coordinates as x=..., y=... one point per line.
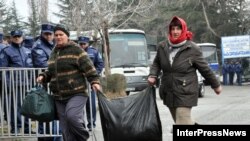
x=185, y=35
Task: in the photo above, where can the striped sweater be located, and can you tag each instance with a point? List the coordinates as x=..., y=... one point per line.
x=68, y=68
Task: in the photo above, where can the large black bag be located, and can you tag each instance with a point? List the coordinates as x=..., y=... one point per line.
x=38, y=105
x=132, y=118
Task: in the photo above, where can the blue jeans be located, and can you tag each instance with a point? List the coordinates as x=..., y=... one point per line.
x=88, y=112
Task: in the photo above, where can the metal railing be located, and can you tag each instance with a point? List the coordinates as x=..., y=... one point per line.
x=15, y=82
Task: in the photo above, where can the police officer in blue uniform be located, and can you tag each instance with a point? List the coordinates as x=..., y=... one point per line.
x=16, y=56
x=2, y=45
x=43, y=46
x=231, y=70
x=239, y=72
x=28, y=42
x=225, y=72
x=96, y=58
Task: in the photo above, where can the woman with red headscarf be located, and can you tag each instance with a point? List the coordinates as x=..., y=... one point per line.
x=178, y=58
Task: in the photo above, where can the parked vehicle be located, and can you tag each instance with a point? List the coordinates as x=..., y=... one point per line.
x=129, y=56
x=201, y=85
x=209, y=52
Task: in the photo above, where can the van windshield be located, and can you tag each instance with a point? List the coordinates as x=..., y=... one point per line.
x=128, y=50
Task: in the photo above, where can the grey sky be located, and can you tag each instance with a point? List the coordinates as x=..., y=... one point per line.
x=22, y=7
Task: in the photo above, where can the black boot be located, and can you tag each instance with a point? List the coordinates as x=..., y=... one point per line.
x=196, y=123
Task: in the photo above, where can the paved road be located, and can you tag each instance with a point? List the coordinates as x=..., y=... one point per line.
x=231, y=107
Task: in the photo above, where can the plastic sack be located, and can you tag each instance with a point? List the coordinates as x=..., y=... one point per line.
x=132, y=118
x=38, y=105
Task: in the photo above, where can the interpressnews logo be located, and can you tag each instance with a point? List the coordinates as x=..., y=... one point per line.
x=202, y=132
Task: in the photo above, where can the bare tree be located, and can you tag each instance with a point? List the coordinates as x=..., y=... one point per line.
x=101, y=15
x=43, y=10
x=113, y=13
x=33, y=20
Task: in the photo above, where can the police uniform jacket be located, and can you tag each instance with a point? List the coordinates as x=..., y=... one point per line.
x=96, y=58
x=2, y=46
x=238, y=68
x=16, y=56
x=225, y=68
x=231, y=68
x=40, y=52
x=179, y=82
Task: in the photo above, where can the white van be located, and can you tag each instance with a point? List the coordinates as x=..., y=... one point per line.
x=129, y=56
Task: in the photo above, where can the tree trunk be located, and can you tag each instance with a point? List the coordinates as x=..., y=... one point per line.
x=114, y=85
x=106, y=48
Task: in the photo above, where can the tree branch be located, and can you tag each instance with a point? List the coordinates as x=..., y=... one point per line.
x=207, y=21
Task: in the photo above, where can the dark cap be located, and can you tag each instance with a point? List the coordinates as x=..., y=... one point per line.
x=82, y=39
x=16, y=33
x=49, y=28
x=62, y=28
x=28, y=41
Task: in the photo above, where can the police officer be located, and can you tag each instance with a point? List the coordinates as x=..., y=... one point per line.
x=2, y=45
x=231, y=70
x=43, y=46
x=225, y=72
x=16, y=56
x=28, y=42
x=238, y=71
x=96, y=58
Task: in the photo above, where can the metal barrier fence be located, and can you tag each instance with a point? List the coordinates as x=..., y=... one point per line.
x=15, y=82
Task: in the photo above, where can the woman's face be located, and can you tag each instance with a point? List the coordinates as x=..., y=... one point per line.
x=175, y=32
x=61, y=38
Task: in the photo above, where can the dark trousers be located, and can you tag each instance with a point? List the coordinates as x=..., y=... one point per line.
x=225, y=79
x=239, y=79
x=91, y=106
x=14, y=104
x=231, y=78
x=71, y=117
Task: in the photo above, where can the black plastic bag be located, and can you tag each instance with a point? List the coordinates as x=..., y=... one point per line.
x=132, y=118
x=38, y=105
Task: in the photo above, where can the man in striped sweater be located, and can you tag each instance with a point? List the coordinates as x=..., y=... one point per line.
x=68, y=69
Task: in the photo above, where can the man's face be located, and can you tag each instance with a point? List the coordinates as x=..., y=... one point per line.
x=17, y=39
x=61, y=38
x=48, y=36
x=84, y=45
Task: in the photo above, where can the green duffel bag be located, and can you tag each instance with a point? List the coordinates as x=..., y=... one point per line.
x=38, y=105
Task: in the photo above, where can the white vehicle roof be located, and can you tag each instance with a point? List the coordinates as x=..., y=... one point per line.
x=73, y=34
x=206, y=44
x=126, y=31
